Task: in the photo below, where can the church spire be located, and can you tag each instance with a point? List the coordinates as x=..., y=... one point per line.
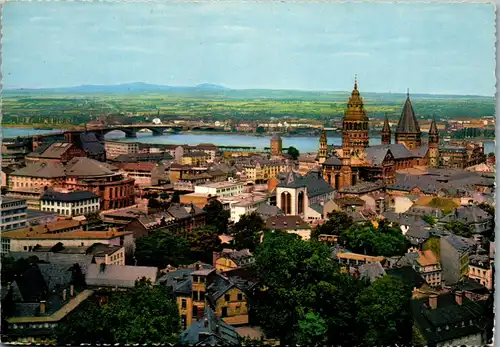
x=433, y=129
x=408, y=131
x=386, y=132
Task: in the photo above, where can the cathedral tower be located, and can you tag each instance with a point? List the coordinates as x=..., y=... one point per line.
x=276, y=144
x=408, y=131
x=323, y=147
x=433, y=145
x=386, y=132
x=355, y=123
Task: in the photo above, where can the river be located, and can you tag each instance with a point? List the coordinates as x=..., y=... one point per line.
x=302, y=143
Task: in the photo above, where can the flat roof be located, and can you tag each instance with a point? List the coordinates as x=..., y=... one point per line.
x=223, y=184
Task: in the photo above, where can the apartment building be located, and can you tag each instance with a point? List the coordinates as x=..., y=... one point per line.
x=242, y=204
x=67, y=232
x=116, y=148
x=70, y=204
x=13, y=213
x=220, y=189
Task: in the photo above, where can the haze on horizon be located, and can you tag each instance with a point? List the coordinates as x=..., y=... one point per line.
x=430, y=48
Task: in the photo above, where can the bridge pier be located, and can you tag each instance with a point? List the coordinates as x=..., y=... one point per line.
x=131, y=134
x=157, y=132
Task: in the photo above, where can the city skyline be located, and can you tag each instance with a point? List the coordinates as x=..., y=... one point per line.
x=429, y=48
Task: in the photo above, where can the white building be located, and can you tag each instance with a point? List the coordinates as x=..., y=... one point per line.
x=13, y=213
x=116, y=148
x=70, y=204
x=243, y=204
x=220, y=189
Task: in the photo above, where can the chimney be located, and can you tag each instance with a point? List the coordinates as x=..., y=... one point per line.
x=205, y=323
x=217, y=329
x=433, y=301
x=459, y=297
x=72, y=290
x=64, y=294
x=42, y=306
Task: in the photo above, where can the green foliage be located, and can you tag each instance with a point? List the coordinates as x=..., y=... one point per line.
x=160, y=249
x=154, y=203
x=246, y=231
x=312, y=330
x=491, y=155
x=384, y=313
x=367, y=239
x=176, y=197
x=216, y=216
x=260, y=130
x=12, y=268
x=293, y=152
x=337, y=222
x=433, y=244
x=145, y=314
x=429, y=219
x=459, y=228
x=202, y=243
x=303, y=293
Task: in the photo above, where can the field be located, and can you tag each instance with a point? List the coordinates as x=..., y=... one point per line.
x=324, y=107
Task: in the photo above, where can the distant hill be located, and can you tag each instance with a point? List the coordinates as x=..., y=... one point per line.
x=217, y=92
x=136, y=87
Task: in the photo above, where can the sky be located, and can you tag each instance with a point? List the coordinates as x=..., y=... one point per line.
x=428, y=48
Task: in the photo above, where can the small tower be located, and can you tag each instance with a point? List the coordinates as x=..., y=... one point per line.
x=386, y=132
x=276, y=144
x=408, y=131
x=433, y=145
x=323, y=147
x=346, y=169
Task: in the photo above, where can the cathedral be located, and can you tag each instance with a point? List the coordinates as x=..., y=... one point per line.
x=357, y=161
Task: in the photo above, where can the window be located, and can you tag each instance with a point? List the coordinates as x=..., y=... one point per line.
x=240, y=297
x=227, y=297
x=201, y=295
x=183, y=303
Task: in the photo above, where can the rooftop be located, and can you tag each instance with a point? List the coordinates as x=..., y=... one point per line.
x=286, y=223
x=224, y=184
x=74, y=196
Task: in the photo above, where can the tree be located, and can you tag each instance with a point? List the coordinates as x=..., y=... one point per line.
x=147, y=314
x=337, y=222
x=203, y=242
x=429, y=219
x=312, y=330
x=216, y=216
x=459, y=228
x=302, y=292
x=153, y=203
x=260, y=130
x=12, y=268
x=384, y=313
x=367, y=239
x=293, y=152
x=176, y=197
x=247, y=230
x=491, y=155
x=160, y=249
